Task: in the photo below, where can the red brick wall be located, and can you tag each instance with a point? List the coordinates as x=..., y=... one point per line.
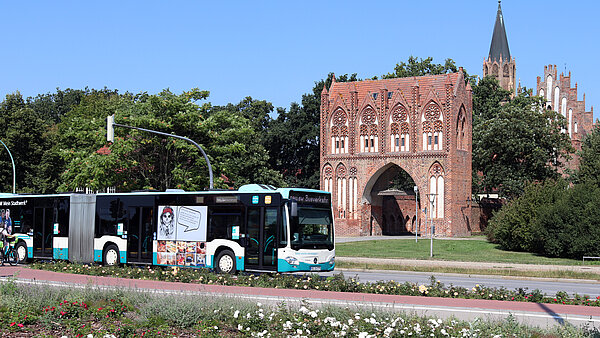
x=451, y=94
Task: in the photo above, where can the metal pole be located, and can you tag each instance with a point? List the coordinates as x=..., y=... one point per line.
x=416, y=215
x=210, y=172
x=13, y=165
x=425, y=219
x=431, y=199
x=431, y=244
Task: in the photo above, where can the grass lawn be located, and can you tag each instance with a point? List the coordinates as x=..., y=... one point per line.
x=472, y=250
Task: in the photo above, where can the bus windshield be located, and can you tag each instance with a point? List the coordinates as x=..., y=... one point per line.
x=313, y=229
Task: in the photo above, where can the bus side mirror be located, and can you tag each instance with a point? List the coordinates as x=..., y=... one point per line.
x=293, y=209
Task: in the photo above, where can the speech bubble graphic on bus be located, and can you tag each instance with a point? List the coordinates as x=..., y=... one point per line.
x=189, y=218
x=191, y=223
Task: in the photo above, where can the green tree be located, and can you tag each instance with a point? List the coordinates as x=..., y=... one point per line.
x=514, y=142
x=24, y=133
x=236, y=147
x=551, y=218
x=419, y=67
x=516, y=225
x=54, y=106
x=80, y=138
x=589, y=164
x=569, y=226
x=488, y=98
x=141, y=160
x=258, y=112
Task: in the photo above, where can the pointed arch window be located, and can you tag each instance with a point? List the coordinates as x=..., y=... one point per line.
x=352, y=194
x=369, y=140
x=461, y=125
x=432, y=121
x=556, y=99
x=328, y=179
x=399, y=130
x=436, y=186
x=342, y=186
x=549, y=89
x=339, y=132
x=571, y=123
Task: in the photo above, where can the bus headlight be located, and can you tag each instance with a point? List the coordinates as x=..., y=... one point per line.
x=291, y=260
x=332, y=260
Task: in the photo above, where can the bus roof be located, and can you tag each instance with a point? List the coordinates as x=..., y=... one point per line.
x=248, y=188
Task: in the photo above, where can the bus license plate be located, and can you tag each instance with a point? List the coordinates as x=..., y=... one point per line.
x=315, y=268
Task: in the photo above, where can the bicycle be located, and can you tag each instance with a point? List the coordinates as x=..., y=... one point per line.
x=9, y=254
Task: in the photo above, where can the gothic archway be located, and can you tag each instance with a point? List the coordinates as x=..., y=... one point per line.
x=393, y=203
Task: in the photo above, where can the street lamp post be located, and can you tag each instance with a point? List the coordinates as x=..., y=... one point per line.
x=110, y=124
x=431, y=198
x=13, y=165
x=416, y=189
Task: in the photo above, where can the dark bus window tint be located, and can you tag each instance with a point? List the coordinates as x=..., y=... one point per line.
x=283, y=231
x=19, y=218
x=270, y=236
x=221, y=220
x=62, y=216
x=26, y=220
x=108, y=211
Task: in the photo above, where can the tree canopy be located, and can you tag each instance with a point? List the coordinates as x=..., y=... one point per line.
x=515, y=142
x=419, y=67
x=589, y=158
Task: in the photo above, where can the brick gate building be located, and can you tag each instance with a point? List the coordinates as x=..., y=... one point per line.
x=374, y=130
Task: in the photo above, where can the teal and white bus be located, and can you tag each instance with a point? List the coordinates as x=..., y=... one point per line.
x=254, y=228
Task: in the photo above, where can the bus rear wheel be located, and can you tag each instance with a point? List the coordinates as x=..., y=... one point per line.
x=110, y=256
x=225, y=262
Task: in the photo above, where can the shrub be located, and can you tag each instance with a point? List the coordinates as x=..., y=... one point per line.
x=516, y=226
x=569, y=227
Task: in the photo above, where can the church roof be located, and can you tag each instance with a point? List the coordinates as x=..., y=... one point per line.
x=499, y=47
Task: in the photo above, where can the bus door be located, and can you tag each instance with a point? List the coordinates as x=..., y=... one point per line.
x=43, y=231
x=261, y=234
x=139, y=235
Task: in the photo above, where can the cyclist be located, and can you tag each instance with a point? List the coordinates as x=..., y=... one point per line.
x=4, y=234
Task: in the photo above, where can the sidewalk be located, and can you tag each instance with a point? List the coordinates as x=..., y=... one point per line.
x=400, y=262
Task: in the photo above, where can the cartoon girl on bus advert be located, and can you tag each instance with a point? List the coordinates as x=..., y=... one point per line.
x=166, y=223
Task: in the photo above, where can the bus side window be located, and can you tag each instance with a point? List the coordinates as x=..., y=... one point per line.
x=221, y=222
x=106, y=223
x=283, y=233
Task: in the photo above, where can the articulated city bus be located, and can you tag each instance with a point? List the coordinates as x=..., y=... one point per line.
x=255, y=228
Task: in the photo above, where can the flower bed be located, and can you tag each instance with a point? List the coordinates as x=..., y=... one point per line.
x=60, y=312
x=314, y=282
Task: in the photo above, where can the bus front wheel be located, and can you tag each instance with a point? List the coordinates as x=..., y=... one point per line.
x=21, y=250
x=111, y=256
x=225, y=262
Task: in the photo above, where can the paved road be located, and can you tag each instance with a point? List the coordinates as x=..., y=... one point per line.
x=546, y=285
x=543, y=315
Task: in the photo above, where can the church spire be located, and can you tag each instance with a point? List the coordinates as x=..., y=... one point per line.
x=499, y=47
x=499, y=63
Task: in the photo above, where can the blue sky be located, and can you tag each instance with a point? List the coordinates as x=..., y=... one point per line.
x=276, y=50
